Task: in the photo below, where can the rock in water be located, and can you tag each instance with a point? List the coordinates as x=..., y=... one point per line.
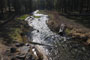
x=24, y=49
x=12, y=50
x=19, y=44
x=62, y=30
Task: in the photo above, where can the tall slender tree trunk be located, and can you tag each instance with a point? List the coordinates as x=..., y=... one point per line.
x=9, y=7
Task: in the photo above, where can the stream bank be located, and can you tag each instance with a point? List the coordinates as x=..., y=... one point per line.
x=13, y=41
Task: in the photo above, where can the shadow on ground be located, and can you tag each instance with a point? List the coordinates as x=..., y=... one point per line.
x=84, y=19
x=13, y=31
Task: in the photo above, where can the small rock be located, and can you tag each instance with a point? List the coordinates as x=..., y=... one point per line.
x=28, y=57
x=13, y=58
x=27, y=44
x=27, y=18
x=32, y=17
x=83, y=48
x=84, y=38
x=12, y=50
x=88, y=41
x=76, y=50
x=37, y=30
x=62, y=30
x=38, y=19
x=34, y=51
x=24, y=49
x=19, y=44
x=22, y=56
x=48, y=16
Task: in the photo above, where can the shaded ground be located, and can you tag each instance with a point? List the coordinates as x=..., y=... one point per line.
x=84, y=20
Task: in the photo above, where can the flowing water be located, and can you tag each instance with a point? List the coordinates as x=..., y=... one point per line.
x=57, y=48
x=41, y=33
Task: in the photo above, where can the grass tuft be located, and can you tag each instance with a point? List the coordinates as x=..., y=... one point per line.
x=68, y=31
x=23, y=17
x=15, y=34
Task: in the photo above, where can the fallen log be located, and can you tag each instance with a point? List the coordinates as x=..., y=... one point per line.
x=35, y=43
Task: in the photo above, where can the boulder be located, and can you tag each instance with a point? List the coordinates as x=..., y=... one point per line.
x=24, y=49
x=62, y=29
x=27, y=44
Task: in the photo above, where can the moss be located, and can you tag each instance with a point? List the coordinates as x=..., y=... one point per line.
x=23, y=17
x=15, y=34
x=18, y=33
x=68, y=31
x=37, y=16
